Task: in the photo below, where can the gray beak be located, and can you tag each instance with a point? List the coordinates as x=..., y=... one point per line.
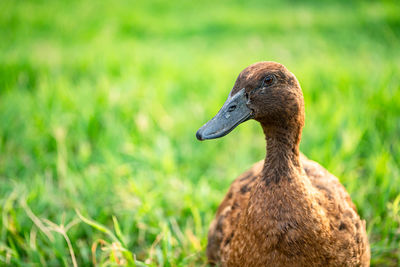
x=233, y=112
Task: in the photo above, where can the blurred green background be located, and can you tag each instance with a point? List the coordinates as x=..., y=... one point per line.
x=100, y=102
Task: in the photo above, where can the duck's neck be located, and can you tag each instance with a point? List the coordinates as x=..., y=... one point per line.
x=282, y=162
x=282, y=200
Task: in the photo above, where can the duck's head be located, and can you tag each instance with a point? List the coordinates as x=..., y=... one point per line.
x=264, y=91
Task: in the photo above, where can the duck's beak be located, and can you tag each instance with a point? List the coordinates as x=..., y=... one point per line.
x=233, y=112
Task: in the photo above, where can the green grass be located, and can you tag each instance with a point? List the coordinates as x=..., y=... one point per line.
x=100, y=102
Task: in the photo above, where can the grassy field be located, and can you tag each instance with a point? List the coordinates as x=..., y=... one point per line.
x=100, y=102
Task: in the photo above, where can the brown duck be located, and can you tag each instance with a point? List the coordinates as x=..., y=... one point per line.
x=286, y=210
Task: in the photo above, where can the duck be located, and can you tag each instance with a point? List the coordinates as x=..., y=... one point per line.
x=286, y=210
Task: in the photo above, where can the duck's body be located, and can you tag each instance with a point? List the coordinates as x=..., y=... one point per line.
x=286, y=210
x=287, y=239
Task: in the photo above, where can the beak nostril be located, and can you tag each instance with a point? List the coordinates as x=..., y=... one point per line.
x=231, y=108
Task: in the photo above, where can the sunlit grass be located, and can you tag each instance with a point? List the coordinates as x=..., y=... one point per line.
x=100, y=101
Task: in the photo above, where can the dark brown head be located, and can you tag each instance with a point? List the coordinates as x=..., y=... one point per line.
x=264, y=91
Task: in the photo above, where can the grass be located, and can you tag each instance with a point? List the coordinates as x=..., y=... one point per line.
x=100, y=101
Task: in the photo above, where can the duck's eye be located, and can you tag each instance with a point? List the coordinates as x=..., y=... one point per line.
x=268, y=80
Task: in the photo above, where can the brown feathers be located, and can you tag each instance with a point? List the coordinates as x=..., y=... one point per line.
x=286, y=210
